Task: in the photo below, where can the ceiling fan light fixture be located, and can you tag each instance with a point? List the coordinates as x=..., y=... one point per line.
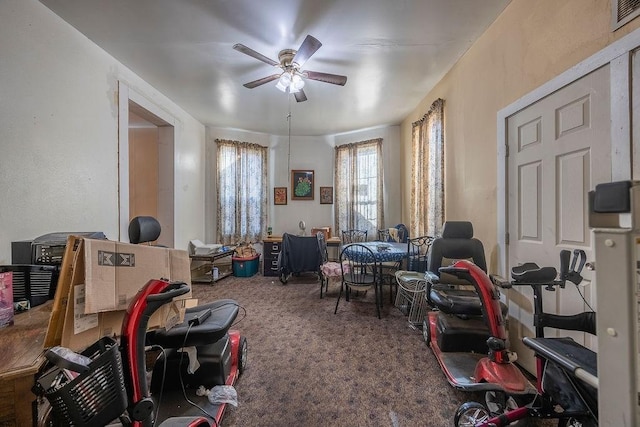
x=297, y=83
x=281, y=87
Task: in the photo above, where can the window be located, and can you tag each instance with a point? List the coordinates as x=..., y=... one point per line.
x=241, y=191
x=359, y=177
x=427, y=173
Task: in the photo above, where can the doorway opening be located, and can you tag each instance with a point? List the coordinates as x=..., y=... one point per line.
x=146, y=163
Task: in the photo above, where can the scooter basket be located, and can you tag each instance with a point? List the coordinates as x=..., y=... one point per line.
x=94, y=397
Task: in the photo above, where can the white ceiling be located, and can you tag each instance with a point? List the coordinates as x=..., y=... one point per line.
x=392, y=51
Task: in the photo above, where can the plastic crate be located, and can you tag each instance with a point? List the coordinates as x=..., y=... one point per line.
x=94, y=397
x=245, y=267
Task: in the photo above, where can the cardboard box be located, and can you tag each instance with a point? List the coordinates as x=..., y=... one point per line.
x=84, y=313
x=115, y=271
x=6, y=299
x=325, y=230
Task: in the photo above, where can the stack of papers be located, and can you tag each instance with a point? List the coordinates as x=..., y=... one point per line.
x=196, y=247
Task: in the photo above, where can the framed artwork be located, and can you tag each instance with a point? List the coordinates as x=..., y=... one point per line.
x=326, y=195
x=302, y=182
x=279, y=195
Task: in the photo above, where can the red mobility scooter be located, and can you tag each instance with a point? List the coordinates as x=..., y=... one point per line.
x=107, y=384
x=466, y=327
x=462, y=355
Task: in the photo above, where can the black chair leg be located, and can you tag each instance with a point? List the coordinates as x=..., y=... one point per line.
x=338, y=301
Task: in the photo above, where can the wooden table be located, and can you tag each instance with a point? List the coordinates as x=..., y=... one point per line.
x=22, y=356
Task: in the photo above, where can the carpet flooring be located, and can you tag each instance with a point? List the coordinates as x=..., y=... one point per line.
x=310, y=367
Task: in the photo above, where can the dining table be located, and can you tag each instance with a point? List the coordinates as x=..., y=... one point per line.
x=382, y=251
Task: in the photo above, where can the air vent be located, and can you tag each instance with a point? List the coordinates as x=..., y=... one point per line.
x=623, y=11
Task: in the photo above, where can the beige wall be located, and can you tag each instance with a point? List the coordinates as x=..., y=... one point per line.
x=530, y=43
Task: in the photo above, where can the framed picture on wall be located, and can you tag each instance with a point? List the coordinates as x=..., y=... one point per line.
x=280, y=195
x=326, y=195
x=302, y=182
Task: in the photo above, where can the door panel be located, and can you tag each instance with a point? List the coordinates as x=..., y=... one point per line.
x=559, y=149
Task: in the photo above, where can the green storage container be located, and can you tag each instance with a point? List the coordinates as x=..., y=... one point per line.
x=245, y=267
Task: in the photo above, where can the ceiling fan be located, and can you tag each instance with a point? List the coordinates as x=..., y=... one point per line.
x=291, y=78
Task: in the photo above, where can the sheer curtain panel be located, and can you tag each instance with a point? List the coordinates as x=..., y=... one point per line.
x=241, y=191
x=427, y=173
x=358, y=181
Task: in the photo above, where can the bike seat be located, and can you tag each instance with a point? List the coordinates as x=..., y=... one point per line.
x=202, y=325
x=531, y=273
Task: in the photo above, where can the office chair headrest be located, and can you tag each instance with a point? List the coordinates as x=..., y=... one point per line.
x=143, y=229
x=457, y=230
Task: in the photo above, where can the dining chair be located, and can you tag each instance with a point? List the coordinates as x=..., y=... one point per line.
x=329, y=270
x=417, y=253
x=402, y=233
x=354, y=236
x=359, y=273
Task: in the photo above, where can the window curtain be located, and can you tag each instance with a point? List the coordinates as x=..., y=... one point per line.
x=427, y=173
x=358, y=180
x=241, y=191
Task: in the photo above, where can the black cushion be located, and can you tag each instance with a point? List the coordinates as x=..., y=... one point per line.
x=143, y=229
x=213, y=328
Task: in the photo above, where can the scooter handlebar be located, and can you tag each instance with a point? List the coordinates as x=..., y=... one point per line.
x=500, y=281
x=170, y=292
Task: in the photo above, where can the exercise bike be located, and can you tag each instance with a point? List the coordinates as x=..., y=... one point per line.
x=107, y=383
x=566, y=371
x=473, y=353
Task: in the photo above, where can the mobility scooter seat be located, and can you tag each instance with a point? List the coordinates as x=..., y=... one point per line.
x=460, y=302
x=206, y=328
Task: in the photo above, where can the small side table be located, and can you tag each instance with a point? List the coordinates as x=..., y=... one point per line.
x=210, y=259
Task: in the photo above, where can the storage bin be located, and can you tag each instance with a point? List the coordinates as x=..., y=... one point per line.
x=245, y=267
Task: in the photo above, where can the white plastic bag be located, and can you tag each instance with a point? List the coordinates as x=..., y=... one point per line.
x=220, y=394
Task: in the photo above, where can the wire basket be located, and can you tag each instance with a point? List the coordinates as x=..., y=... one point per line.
x=94, y=397
x=409, y=299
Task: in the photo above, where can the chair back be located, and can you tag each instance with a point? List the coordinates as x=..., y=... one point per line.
x=384, y=235
x=457, y=243
x=322, y=247
x=359, y=266
x=403, y=233
x=354, y=236
x=417, y=253
x=144, y=229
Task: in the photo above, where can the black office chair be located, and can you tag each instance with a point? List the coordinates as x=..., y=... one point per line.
x=444, y=291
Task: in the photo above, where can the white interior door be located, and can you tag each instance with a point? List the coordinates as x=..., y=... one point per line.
x=559, y=148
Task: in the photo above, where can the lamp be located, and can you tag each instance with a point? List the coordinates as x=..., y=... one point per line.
x=290, y=82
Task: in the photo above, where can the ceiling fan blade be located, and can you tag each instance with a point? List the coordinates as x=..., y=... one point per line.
x=300, y=96
x=307, y=48
x=261, y=81
x=326, y=77
x=248, y=51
